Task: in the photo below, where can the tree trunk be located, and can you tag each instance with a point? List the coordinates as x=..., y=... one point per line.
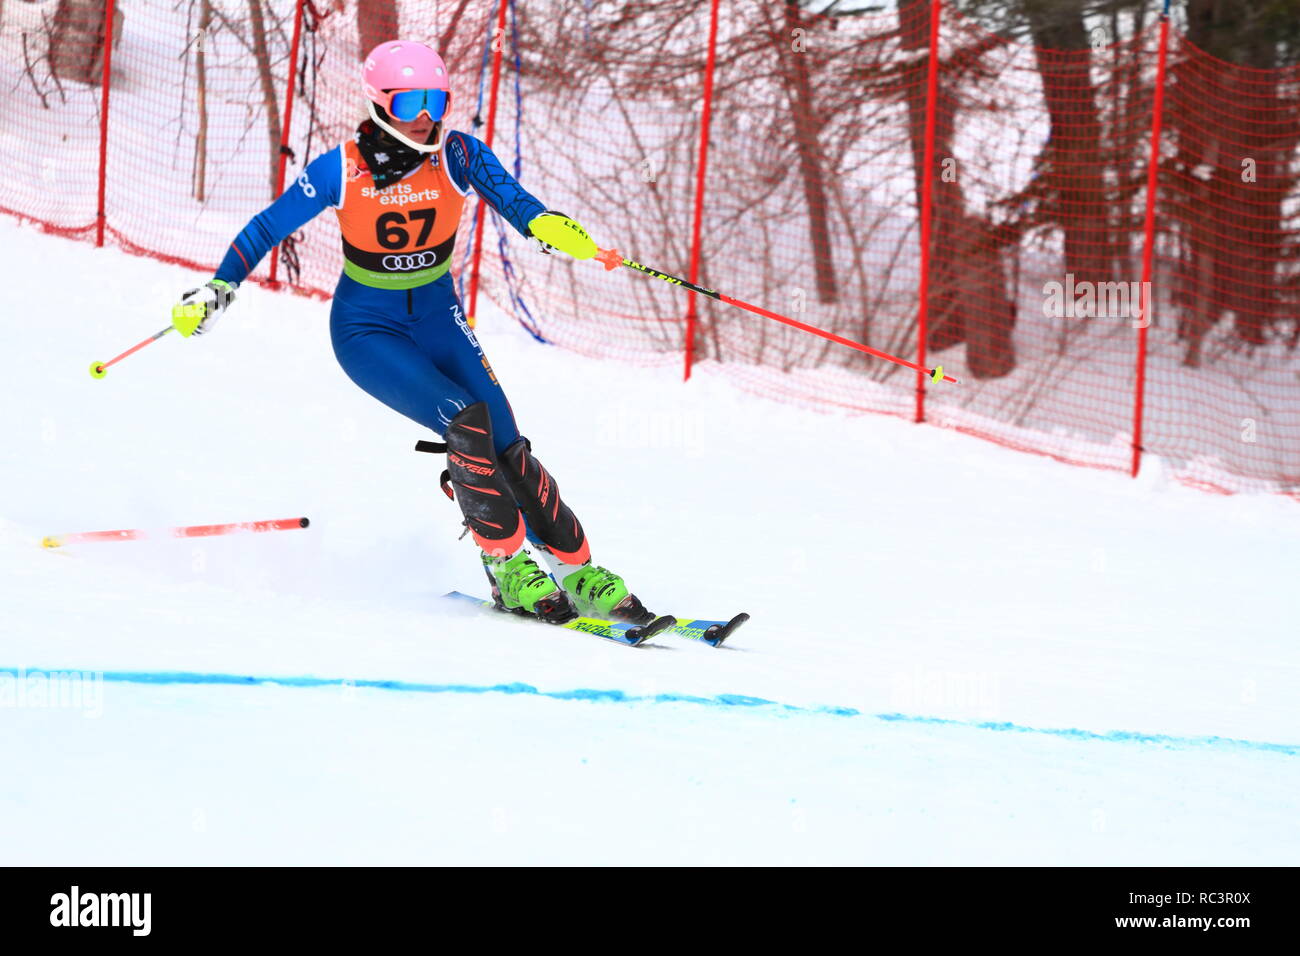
x=968, y=299
x=1073, y=167
x=1242, y=220
x=77, y=40
x=806, y=129
x=201, y=77
x=269, y=102
x=376, y=23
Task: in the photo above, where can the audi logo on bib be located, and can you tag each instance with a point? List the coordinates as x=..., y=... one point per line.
x=410, y=262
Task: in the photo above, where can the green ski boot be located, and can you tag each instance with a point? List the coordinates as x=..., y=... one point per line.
x=599, y=592
x=519, y=585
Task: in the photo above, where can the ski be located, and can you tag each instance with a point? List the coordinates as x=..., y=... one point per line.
x=620, y=632
x=713, y=633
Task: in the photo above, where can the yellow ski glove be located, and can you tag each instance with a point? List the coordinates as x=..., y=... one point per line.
x=199, y=309
x=555, y=230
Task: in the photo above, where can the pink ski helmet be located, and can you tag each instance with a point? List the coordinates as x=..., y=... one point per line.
x=403, y=65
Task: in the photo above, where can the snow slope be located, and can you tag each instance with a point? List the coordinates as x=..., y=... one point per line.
x=966, y=654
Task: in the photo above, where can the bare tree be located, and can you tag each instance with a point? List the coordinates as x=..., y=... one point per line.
x=377, y=23
x=77, y=39
x=201, y=78
x=266, y=80
x=448, y=35
x=807, y=123
x=969, y=301
x=1230, y=181
x=1072, y=169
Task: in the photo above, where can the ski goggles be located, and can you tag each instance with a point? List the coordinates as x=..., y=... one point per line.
x=406, y=105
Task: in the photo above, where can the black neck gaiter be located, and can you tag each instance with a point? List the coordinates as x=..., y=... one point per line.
x=388, y=158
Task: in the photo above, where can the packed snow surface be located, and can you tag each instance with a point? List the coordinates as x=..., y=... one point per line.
x=958, y=653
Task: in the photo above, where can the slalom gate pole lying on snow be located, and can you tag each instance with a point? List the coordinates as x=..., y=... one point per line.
x=611, y=259
x=100, y=369
x=188, y=531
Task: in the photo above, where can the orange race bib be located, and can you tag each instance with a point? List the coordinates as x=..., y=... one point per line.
x=403, y=236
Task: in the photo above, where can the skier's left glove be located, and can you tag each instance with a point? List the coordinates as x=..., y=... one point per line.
x=554, y=230
x=200, y=308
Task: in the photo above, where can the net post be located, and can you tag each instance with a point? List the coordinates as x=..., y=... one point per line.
x=927, y=204
x=701, y=167
x=1148, y=242
x=109, y=10
x=497, y=44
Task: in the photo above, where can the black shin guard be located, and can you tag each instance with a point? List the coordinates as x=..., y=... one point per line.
x=538, y=496
x=482, y=490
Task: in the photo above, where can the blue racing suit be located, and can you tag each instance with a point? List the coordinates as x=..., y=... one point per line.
x=410, y=347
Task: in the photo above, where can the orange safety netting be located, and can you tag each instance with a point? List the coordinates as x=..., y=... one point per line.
x=819, y=134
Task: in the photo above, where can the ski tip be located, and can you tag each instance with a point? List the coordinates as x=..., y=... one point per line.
x=716, y=634
x=641, y=633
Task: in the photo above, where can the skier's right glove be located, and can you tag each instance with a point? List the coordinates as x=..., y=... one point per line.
x=200, y=308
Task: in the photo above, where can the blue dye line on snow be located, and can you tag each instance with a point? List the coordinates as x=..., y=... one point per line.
x=621, y=697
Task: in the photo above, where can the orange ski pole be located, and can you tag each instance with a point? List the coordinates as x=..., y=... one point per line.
x=611, y=259
x=188, y=531
x=100, y=369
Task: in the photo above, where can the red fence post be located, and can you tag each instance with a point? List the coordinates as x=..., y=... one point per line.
x=692, y=314
x=288, y=118
x=927, y=204
x=498, y=41
x=1148, y=243
x=103, y=119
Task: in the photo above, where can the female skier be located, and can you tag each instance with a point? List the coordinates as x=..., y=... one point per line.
x=398, y=188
